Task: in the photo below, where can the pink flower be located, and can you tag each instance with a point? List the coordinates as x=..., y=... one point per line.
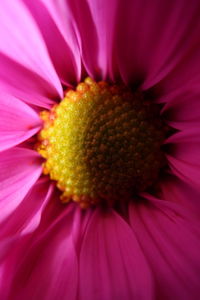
x=51, y=251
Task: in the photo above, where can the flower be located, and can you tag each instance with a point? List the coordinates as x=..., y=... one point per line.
x=148, y=249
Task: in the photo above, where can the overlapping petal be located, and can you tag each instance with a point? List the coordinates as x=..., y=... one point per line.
x=182, y=110
x=169, y=239
x=185, y=75
x=18, y=121
x=112, y=265
x=24, y=57
x=99, y=20
x=173, y=41
x=56, y=26
x=19, y=170
x=150, y=38
x=49, y=256
x=27, y=215
x=176, y=190
x=24, y=84
x=184, y=155
x=61, y=252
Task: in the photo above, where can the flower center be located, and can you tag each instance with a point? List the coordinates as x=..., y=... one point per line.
x=102, y=143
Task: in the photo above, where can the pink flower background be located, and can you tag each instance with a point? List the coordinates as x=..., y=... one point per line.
x=51, y=251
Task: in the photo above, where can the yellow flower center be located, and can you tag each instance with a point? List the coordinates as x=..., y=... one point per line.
x=101, y=143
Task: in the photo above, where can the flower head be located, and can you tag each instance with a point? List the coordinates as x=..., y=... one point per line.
x=102, y=144
x=99, y=105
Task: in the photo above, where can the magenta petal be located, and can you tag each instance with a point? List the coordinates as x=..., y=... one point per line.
x=26, y=217
x=44, y=265
x=185, y=171
x=112, y=265
x=19, y=170
x=171, y=244
x=175, y=21
x=24, y=44
x=150, y=38
x=185, y=75
x=18, y=121
x=97, y=46
x=6, y=246
x=65, y=58
x=184, y=153
x=24, y=84
x=175, y=190
x=182, y=109
x=60, y=33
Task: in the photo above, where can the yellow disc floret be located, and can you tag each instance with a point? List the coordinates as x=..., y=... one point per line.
x=101, y=143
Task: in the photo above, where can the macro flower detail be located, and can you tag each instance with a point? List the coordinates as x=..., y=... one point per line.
x=99, y=109
x=102, y=143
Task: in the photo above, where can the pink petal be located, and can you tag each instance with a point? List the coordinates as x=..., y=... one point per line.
x=6, y=245
x=59, y=37
x=18, y=121
x=112, y=265
x=23, y=220
x=62, y=19
x=170, y=242
x=45, y=265
x=150, y=37
x=182, y=109
x=27, y=215
x=97, y=46
x=24, y=84
x=175, y=190
x=19, y=170
x=23, y=42
x=184, y=155
x=187, y=172
x=184, y=76
x=171, y=39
